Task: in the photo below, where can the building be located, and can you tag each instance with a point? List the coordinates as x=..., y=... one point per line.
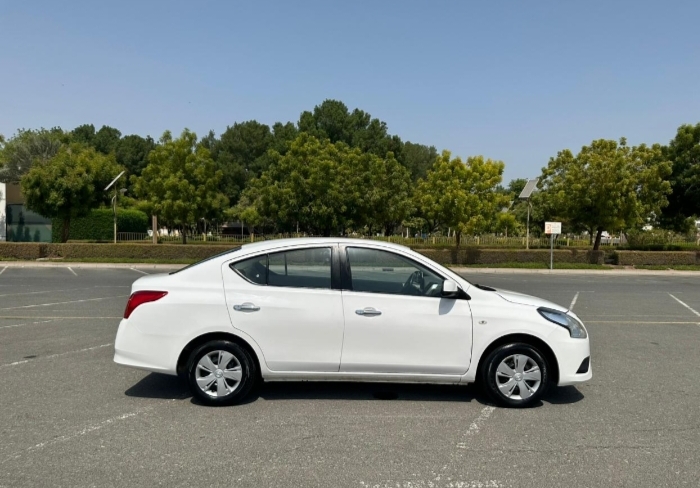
x=17, y=223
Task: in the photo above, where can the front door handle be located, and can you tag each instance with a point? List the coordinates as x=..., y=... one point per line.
x=368, y=312
x=246, y=307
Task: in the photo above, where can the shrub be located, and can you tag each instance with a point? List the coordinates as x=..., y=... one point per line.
x=99, y=225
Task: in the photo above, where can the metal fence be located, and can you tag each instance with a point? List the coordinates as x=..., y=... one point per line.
x=429, y=241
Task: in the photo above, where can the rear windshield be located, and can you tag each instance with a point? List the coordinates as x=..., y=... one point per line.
x=230, y=251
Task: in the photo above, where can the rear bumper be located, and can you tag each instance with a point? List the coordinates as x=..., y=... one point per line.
x=135, y=349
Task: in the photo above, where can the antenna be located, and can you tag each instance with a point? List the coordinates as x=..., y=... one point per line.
x=114, y=180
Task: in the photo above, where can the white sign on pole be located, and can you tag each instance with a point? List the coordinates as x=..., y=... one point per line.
x=552, y=228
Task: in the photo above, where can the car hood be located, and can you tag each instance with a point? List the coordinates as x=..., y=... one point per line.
x=522, y=299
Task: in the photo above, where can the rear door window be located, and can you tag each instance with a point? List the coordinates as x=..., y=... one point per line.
x=299, y=268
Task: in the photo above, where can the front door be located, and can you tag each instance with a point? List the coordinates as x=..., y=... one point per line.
x=397, y=322
x=284, y=301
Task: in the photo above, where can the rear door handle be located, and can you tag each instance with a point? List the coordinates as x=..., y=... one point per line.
x=246, y=307
x=368, y=312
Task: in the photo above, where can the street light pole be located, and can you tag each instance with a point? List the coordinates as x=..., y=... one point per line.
x=114, y=201
x=114, y=209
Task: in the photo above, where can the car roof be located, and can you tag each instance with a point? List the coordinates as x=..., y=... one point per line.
x=300, y=241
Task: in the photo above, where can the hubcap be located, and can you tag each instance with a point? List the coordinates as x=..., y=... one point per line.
x=218, y=373
x=518, y=377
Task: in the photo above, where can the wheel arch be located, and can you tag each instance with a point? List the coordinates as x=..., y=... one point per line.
x=213, y=336
x=549, y=355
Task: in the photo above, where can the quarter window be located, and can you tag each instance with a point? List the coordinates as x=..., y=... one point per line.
x=375, y=271
x=300, y=268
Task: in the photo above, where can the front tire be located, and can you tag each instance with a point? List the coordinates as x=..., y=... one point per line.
x=515, y=375
x=221, y=373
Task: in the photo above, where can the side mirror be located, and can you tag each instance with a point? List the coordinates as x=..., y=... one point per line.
x=450, y=289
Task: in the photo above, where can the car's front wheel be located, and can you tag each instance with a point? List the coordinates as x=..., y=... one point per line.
x=221, y=373
x=515, y=375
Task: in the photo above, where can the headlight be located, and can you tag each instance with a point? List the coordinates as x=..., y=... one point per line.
x=575, y=327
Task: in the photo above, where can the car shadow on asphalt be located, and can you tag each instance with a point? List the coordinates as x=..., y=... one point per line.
x=161, y=386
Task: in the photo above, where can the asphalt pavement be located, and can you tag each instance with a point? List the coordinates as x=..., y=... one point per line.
x=70, y=417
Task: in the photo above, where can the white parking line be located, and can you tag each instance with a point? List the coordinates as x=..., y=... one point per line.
x=685, y=305
x=439, y=481
x=573, y=302
x=139, y=271
x=79, y=433
x=63, y=303
x=51, y=356
x=475, y=426
x=26, y=323
x=635, y=322
x=71, y=270
x=62, y=290
x=53, y=317
x=3, y=270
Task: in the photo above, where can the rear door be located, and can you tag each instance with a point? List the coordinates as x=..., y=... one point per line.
x=286, y=302
x=396, y=320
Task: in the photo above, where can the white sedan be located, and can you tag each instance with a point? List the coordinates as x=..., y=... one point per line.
x=336, y=309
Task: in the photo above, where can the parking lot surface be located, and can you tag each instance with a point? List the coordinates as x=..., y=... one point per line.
x=70, y=417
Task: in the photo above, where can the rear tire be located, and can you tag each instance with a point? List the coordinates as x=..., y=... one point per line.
x=515, y=375
x=221, y=373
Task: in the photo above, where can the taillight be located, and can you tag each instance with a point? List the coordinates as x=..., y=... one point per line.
x=141, y=297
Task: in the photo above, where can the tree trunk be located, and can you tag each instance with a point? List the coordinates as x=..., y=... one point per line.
x=458, y=236
x=590, y=236
x=184, y=235
x=65, y=232
x=598, y=235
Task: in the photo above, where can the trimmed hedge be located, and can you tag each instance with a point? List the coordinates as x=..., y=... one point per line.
x=36, y=250
x=178, y=251
x=496, y=256
x=132, y=251
x=99, y=224
x=21, y=250
x=638, y=258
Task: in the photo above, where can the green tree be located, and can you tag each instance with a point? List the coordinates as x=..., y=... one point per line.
x=418, y=159
x=132, y=152
x=84, y=134
x=19, y=153
x=516, y=186
x=333, y=121
x=181, y=182
x=69, y=184
x=460, y=195
x=383, y=187
x=684, y=153
x=606, y=186
x=507, y=223
x=106, y=139
x=310, y=186
x=241, y=154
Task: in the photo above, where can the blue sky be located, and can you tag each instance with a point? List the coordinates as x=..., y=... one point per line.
x=515, y=81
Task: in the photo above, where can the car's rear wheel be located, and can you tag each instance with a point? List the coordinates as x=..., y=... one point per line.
x=515, y=375
x=221, y=373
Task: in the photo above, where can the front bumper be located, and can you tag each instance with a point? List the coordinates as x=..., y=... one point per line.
x=571, y=353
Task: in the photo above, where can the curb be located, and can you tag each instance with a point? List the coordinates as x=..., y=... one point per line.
x=602, y=272
x=54, y=264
